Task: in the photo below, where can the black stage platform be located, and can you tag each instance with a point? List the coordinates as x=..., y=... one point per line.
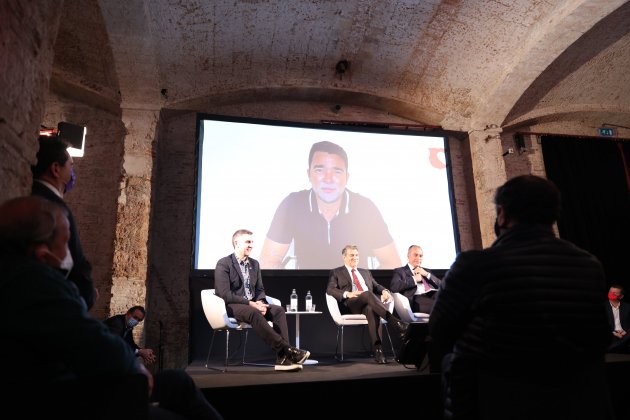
x=356, y=387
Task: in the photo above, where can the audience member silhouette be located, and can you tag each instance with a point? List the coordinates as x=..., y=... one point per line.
x=524, y=319
x=60, y=360
x=53, y=176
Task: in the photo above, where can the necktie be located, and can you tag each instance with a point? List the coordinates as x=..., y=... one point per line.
x=425, y=284
x=248, y=289
x=355, y=280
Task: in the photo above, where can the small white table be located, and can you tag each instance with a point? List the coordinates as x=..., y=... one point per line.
x=297, y=330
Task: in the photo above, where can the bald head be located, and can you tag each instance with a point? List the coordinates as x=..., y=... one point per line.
x=34, y=226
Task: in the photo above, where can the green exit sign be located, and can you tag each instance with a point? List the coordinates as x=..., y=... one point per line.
x=606, y=132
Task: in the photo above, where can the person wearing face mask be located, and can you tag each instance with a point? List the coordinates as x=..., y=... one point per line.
x=618, y=320
x=523, y=320
x=83, y=370
x=53, y=176
x=123, y=324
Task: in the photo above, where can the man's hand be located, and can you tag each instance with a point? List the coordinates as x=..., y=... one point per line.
x=143, y=370
x=262, y=307
x=147, y=356
x=353, y=294
x=386, y=297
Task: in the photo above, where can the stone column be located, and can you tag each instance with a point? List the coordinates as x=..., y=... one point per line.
x=134, y=209
x=488, y=173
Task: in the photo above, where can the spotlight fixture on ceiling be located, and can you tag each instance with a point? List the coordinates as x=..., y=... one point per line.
x=341, y=67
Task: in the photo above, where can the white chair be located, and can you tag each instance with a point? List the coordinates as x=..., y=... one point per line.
x=403, y=309
x=349, y=320
x=216, y=314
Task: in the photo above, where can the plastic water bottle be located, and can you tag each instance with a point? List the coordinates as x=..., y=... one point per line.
x=294, y=301
x=309, y=301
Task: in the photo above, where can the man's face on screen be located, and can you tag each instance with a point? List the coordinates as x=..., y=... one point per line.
x=328, y=176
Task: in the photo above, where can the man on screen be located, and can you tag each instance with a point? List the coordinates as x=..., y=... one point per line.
x=321, y=220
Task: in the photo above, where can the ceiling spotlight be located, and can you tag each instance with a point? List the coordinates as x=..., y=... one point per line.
x=341, y=67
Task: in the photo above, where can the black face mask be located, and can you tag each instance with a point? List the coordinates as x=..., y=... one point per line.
x=497, y=228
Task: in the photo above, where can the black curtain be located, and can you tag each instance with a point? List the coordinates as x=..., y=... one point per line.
x=593, y=178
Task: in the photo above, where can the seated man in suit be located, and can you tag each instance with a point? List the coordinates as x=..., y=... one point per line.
x=415, y=282
x=122, y=325
x=238, y=281
x=618, y=320
x=356, y=291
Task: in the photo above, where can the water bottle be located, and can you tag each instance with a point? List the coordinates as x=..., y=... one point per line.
x=294, y=302
x=309, y=301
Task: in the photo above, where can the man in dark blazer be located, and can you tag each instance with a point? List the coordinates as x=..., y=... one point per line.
x=122, y=325
x=53, y=175
x=416, y=283
x=238, y=281
x=618, y=320
x=358, y=293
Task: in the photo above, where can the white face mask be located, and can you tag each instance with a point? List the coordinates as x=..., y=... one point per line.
x=68, y=263
x=132, y=322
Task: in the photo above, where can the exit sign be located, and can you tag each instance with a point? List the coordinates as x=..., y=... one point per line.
x=606, y=132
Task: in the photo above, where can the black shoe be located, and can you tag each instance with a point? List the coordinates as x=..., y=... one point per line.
x=284, y=363
x=379, y=356
x=402, y=327
x=296, y=355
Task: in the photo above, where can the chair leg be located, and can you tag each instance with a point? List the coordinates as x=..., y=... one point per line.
x=390, y=340
x=227, y=349
x=245, y=346
x=337, y=343
x=210, y=348
x=342, y=343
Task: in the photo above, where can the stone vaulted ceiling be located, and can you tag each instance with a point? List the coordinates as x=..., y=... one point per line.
x=460, y=64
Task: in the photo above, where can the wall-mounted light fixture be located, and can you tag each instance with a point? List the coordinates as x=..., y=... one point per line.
x=519, y=142
x=73, y=134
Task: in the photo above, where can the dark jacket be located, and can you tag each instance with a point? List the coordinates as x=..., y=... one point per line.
x=619, y=345
x=81, y=273
x=403, y=282
x=527, y=312
x=230, y=284
x=118, y=326
x=53, y=338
